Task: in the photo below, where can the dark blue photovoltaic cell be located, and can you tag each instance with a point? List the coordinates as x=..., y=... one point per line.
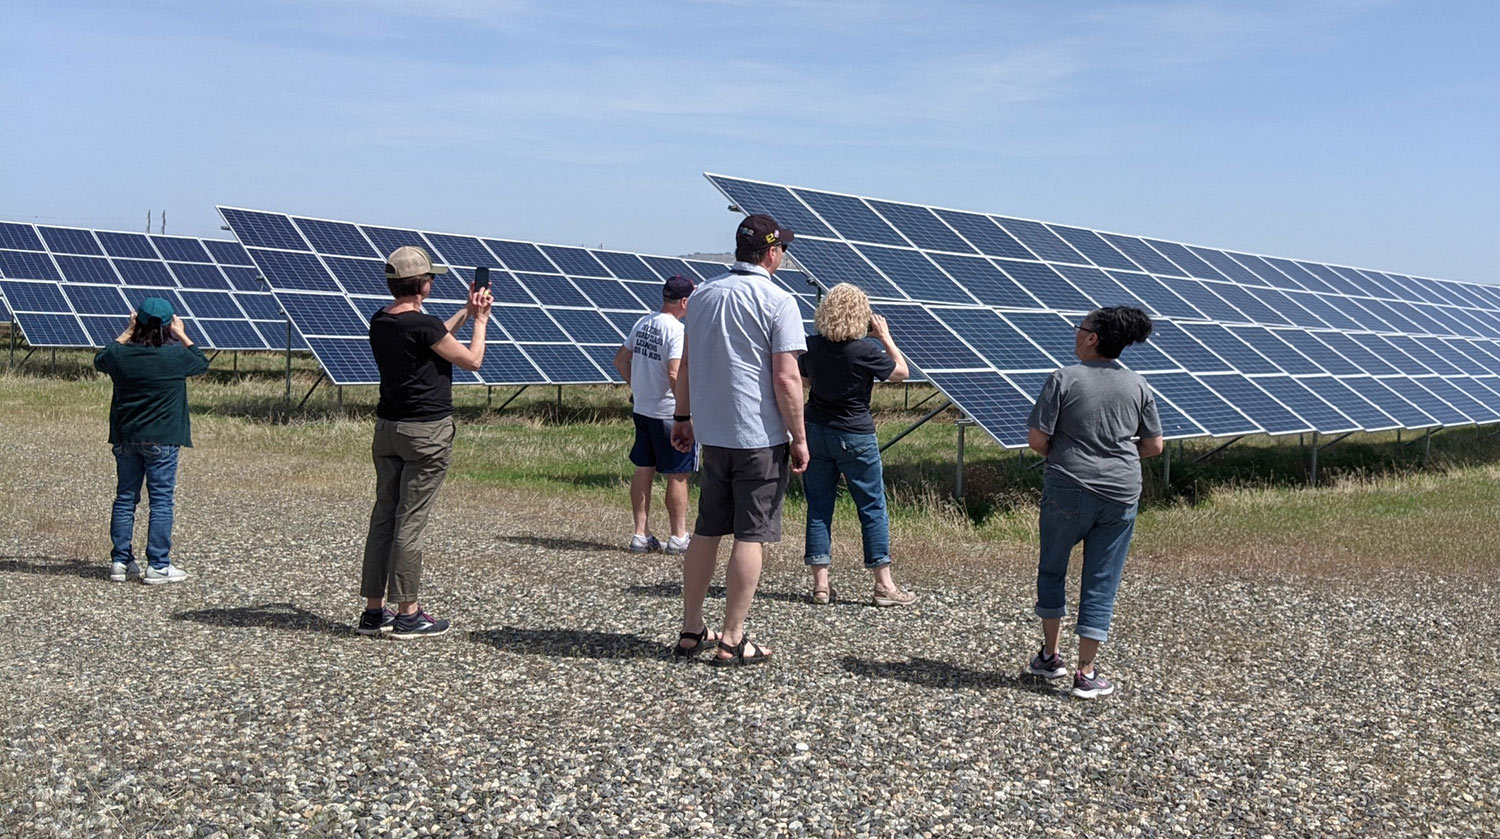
x=102, y=329
x=850, y=217
x=259, y=306
x=96, y=300
x=1202, y=298
x=1424, y=356
x=628, y=266
x=232, y=334
x=552, y=290
x=624, y=321
x=1088, y=243
x=609, y=294
x=211, y=304
x=24, y=265
x=324, y=315
x=504, y=288
x=709, y=270
x=1358, y=353
x=72, y=240
x=835, y=262
x=134, y=296
x=576, y=261
x=1186, y=260
x=1240, y=355
x=1029, y=383
x=198, y=275
x=1344, y=280
x=1323, y=310
x=141, y=272
x=1182, y=348
x=985, y=282
x=1426, y=400
x=1360, y=315
x=244, y=279
x=43, y=330
x=1448, y=322
x=774, y=201
x=1390, y=353
x=1299, y=275
x=1461, y=401
x=1319, y=414
x=1052, y=332
x=999, y=342
x=1143, y=255
x=563, y=363
x=301, y=271
x=1476, y=390
x=1160, y=301
x=19, y=237
x=1426, y=324
x=1100, y=287
x=603, y=357
x=926, y=342
x=1222, y=263
x=795, y=282
x=359, y=276
x=388, y=239
x=985, y=235
x=1266, y=273
x=33, y=296
x=1383, y=311
x=275, y=333
x=1046, y=284
x=4, y=313
x=1205, y=407
x=1322, y=275
x=1269, y=343
x=523, y=256
x=668, y=266
x=1174, y=423
x=1042, y=242
x=924, y=229
x=991, y=401
x=918, y=276
x=527, y=324
x=180, y=249
x=1254, y=310
x=1282, y=305
x=1480, y=362
x=1146, y=358
x=505, y=365
x=586, y=326
x=87, y=269
x=1319, y=353
x=228, y=253
x=460, y=250
x=1351, y=404
x=347, y=360
x=258, y=230
x=337, y=238
x=1254, y=403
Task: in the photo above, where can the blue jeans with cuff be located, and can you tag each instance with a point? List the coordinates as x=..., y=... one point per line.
x=857, y=458
x=1071, y=514
x=156, y=465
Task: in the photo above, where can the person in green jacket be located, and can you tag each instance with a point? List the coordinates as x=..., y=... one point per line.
x=148, y=423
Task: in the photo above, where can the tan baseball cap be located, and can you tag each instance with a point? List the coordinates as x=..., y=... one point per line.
x=410, y=261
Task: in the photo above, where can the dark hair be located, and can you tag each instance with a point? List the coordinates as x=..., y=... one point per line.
x=1118, y=327
x=751, y=255
x=152, y=332
x=406, y=286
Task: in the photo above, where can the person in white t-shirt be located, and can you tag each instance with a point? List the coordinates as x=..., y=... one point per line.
x=648, y=361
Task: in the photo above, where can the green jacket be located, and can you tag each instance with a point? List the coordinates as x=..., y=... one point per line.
x=150, y=399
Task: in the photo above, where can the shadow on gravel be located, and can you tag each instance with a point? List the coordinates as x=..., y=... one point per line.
x=560, y=544
x=929, y=673
x=54, y=566
x=569, y=643
x=717, y=593
x=269, y=615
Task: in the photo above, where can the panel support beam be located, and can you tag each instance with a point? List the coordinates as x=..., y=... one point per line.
x=512, y=398
x=1205, y=456
x=1312, y=474
x=919, y=423
x=288, y=361
x=958, y=475
x=318, y=381
x=1166, y=469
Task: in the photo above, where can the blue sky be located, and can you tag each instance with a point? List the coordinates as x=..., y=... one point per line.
x=1362, y=132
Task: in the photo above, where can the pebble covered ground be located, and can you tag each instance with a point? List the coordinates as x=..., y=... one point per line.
x=240, y=703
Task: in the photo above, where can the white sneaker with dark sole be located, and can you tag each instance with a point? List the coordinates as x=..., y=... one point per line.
x=1047, y=666
x=644, y=544
x=675, y=546
x=170, y=574
x=119, y=572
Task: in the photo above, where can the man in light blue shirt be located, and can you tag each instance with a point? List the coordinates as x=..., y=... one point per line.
x=739, y=367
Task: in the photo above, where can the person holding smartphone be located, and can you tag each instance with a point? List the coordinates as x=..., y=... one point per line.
x=149, y=364
x=414, y=432
x=842, y=363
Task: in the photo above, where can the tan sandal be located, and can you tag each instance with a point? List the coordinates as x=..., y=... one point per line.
x=824, y=596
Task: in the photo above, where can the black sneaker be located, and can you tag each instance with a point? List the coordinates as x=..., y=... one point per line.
x=1091, y=687
x=418, y=625
x=1047, y=666
x=376, y=621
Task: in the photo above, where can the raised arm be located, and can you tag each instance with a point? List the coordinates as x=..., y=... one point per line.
x=882, y=332
x=472, y=356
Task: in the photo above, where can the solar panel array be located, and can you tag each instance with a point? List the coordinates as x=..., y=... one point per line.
x=75, y=287
x=560, y=312
x=985, y=306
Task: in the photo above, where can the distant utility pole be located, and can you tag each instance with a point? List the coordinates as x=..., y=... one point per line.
x=148, y=221
x=163, y=222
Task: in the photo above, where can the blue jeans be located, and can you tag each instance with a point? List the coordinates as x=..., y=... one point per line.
x=157, y=467
x=1071, y=514
x=857, y=458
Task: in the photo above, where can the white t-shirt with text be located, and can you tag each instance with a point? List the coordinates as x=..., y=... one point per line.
x=653, y=341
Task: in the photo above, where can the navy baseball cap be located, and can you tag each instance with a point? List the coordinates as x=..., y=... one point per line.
x=677, y=287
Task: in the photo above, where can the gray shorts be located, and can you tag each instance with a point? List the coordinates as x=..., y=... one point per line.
x=740, y=492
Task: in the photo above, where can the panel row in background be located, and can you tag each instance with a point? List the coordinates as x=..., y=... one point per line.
x=559, y=314
x=1243, y=344
x=76, y=287
x=1212, y=380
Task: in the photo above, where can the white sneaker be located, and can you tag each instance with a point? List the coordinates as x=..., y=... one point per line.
x=676, y=546
x=644, y=544
x=170, y=574
x=119, y=572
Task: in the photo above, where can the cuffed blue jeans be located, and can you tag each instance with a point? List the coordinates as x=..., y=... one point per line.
x=857, y=457
x=1071, y=514
x=156, y=466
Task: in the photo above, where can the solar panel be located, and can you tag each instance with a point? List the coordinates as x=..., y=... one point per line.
x=1243, y=343
x=559, y=316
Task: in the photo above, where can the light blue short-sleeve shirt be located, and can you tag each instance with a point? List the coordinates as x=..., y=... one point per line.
x=735, y=323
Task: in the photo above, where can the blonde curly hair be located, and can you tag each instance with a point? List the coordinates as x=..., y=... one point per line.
x=843, y=314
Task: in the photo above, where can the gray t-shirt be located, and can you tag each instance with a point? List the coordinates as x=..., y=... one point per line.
x=735, y=323
x=1091, y=410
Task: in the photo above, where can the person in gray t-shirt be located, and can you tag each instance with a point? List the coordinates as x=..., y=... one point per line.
x=1093, y=421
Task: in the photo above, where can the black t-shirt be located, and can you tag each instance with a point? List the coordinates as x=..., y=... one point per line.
x=416, y=384
x=842, y=373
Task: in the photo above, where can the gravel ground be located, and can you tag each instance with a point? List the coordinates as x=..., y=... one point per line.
x=241, y=704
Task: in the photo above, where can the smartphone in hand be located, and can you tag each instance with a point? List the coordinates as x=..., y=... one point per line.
x=481, y=278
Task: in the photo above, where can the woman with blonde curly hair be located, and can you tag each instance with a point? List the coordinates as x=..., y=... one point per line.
x=842, y=363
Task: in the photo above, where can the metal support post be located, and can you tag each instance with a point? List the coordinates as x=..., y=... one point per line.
x=289, y=361
x=489, y=396
x=13, y=331
x=1312, y=474
x=559, y=399
x=1166, y=468
x=906, y=395
x=341, y=397
x=1398, y=436
x=236, y=362
x=1427, y=446
x=321, y=377
x=958, y=475
x=511, y=399
x=924, y=400
x=52, y=365
x=914, y=426
x=1202, y=457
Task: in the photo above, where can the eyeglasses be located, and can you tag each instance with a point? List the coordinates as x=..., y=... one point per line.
x=1080, y=327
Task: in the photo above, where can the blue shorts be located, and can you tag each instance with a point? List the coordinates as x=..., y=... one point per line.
x=653, y=447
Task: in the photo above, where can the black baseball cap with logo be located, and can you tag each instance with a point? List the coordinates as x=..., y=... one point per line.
x=761, y=231
x=677, y=287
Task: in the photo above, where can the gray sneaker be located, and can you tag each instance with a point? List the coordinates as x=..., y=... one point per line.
x=644, y=544
x=119, y=572
x=170, y=574
x=676, y=546
x=1091, y=687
